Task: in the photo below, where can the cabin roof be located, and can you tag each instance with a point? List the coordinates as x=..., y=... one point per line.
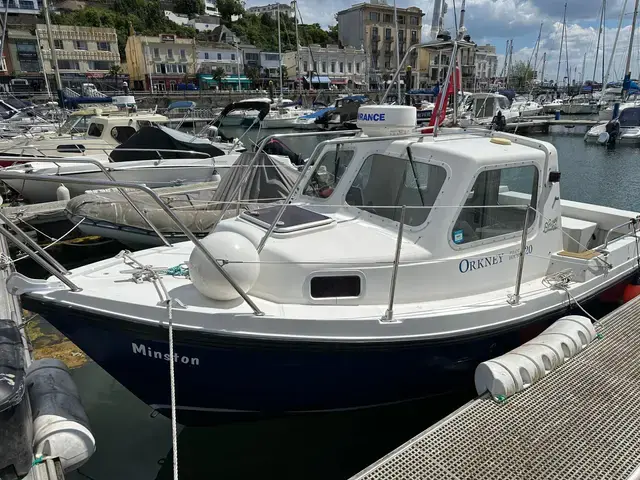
x=477, y=150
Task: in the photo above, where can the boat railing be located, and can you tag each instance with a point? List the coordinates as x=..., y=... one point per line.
x=97, y=163
x=82, y=149
x=631, y=223
x=122, y=186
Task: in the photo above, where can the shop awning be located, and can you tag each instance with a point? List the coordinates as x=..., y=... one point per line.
x=234, y=79
x=318, y=79
x=339, y=81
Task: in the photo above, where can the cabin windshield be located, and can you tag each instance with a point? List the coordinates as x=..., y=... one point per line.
x=328, y=172
x=630, y=117
x=384, y=184
x=75, y=124
x=484, y=107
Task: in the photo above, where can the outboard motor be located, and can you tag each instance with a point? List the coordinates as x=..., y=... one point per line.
x=611, y=133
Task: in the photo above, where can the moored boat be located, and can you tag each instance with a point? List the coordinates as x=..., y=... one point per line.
x=303, y=319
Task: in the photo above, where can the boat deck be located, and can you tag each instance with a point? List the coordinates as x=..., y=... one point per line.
x=580, y=421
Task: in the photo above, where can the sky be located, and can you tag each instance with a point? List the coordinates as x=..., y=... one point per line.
x=496, y=21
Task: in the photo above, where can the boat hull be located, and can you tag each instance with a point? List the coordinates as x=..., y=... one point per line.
x=35, y=191
x=222, y=377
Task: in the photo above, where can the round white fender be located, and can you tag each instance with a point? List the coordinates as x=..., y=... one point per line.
x=514, y=371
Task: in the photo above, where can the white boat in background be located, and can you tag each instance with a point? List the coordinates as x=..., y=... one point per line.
x=245, y=117
x=303, y=319
x=625, y=129
x=481, y=108
x=578, y=105
x=284, y=115
x=526, y=108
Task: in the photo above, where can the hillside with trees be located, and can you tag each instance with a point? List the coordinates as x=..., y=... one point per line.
x=146, y=17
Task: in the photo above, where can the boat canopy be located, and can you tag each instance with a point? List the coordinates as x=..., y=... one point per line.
x=157, y=141
x=261, y=106
x=630, y=117
x=182, y=104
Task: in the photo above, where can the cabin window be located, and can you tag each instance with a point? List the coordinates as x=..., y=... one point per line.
x=494, y=206
x=327, y=174
x=95, y=130
x=384, y=184
x=122, y=134
x=71, y=148
x=335, y=286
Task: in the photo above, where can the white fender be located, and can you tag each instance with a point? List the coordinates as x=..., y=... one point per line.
x=514, y=371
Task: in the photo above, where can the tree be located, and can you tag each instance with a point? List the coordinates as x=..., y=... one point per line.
x=252, y=73
x=189, y=7
x=520, y=74
x=114, y=71
x=218, y=74
x=228, y=8
x=333, y=34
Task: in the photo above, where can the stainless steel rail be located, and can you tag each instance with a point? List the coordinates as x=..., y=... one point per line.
x=388, y=316
x=101, y=166
x=105, y=183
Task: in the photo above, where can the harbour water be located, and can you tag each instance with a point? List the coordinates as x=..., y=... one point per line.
x=133, y=443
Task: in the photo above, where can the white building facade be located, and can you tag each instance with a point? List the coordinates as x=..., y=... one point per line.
x=272, y=9
x=213, y=55
x=486, y=63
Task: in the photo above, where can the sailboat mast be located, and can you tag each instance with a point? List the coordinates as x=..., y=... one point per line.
x=279, y=52
x=298, y=69
x=544, y=64
x=566, y=51
x=564, y=23
x=54, y=55
x=537, y=49
x=395, y=21
x=604, y=36
x=627, y=69
x=584, y=65
x=615, y=42
x=595, y=62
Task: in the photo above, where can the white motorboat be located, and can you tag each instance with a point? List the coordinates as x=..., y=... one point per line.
x=329, y=115
x=303, y=319
x=481, y=108
x=526, y=108
x=245, y=116
x=284, y=115
x=578, y=105
x=622, y=130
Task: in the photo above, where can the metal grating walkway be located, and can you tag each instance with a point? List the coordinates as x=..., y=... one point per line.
x=580, y=422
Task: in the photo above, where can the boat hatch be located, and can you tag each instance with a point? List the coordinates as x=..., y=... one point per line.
x=293, y=218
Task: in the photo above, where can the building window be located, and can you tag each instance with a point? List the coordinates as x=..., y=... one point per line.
x=158, y=68
x=68, y=65
x=219, y=56
x=99, y=65
x=388, y=18
x=374, y=32
x=104, y=46
x=58, y=45
x=414, y=34
x=374, y=16
x=389, y=182
x=233, y=57
x=183, y=54
x=414, y=20
x=387, y=64
x=333, y=67
x=80, y=45
x=324, y=67
x=252, y=57
x=387, y=34
x=156, y=53
x=349, y=67
x=401, y=35
x=357, y=67
x=26, y=5
x=234, y=70
x=170, y=53
x=494, y=207
x=400, y=20
x=317, y=66
x=206, y=55
x=305, y=66
x=341, y=67
x=271, y=57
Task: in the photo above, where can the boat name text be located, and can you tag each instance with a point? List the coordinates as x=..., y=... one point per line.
x=550, y=225
x=371, y=117
x=466, y=265
x=146, y=351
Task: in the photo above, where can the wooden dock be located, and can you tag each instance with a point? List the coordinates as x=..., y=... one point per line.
x=581, y=421
x=542, y=124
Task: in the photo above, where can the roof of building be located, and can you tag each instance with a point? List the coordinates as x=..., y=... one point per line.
x=366, y=5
